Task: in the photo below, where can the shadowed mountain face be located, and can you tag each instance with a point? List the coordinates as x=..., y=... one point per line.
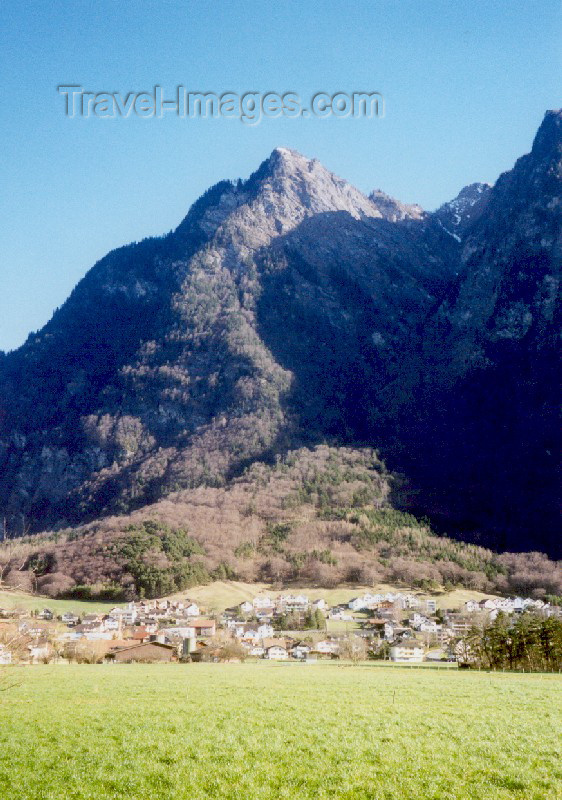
x=488, y=403
x=289, y=308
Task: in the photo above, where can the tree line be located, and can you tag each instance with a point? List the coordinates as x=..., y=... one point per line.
x=524, y=642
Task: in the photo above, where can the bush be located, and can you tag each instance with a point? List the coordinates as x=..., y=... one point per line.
x=112, y=594
x=55, y=585
x=23, y=580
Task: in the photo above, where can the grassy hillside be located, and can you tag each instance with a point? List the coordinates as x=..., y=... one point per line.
x=219, y=595
x=276, y=731
x=224, y=594
x=325, y=517
x=10, y=599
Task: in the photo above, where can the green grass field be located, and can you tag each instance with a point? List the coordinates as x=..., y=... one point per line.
x=274, y=731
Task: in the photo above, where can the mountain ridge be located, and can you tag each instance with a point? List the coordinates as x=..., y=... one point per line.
x=283, y=309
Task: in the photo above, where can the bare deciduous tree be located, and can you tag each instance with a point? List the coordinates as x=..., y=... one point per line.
x=353, y=648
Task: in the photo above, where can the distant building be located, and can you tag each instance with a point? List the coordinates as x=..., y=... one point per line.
x=70, y=619
x=407, y=651
x=146, y=652
x=274, y=642
x=204, y=627
x=340, y=613
x=300, y=650
x=291, y=602
x=276, y=653
x=458, y=624
x=39, y=650
x=326, y=647
x=256, y=650
x=265, y=631
x=178, y=632
x=263, y=603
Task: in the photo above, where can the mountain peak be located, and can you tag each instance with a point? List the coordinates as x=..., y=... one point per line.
x=457, y=215
x=291, y=179
x=549, y=134
x=286, y=155
x=282, y=161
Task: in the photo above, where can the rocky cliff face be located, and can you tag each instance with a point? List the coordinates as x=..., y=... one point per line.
x=285, y=309
x=458, y=215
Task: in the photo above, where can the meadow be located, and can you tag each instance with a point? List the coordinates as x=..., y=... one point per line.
x=217, y=596
x=33, y=602
x=268, y=731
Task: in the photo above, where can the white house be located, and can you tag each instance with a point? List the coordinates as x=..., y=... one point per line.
x=179, y=632
x=264, y=631
x=408, y=650
x=356, y=604
x=300, y=650
x=246, y=607
x=319, y=605
x=238, y=629
x=326, y=647
x=370, y=601
x=146, y=605
x=429, y=626
x=507, y=605
x=388, y=631
x=39, y=650
x=262, y=603
x=339, y=613
x=5, y=655
x=250, y=635
x=69, y=618
x=192, y=610
x=292, y=602
x=276, y=653
x=126, y=615
x=256, y=650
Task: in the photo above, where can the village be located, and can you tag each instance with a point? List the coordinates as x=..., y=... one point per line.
x=400, y=627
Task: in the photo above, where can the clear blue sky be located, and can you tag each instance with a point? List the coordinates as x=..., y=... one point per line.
x=466, y=84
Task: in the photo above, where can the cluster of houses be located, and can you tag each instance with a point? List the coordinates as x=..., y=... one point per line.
x=508, y=605
x=401, y=626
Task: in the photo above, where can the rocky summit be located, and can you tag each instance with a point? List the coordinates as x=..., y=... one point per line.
x=289, y=310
